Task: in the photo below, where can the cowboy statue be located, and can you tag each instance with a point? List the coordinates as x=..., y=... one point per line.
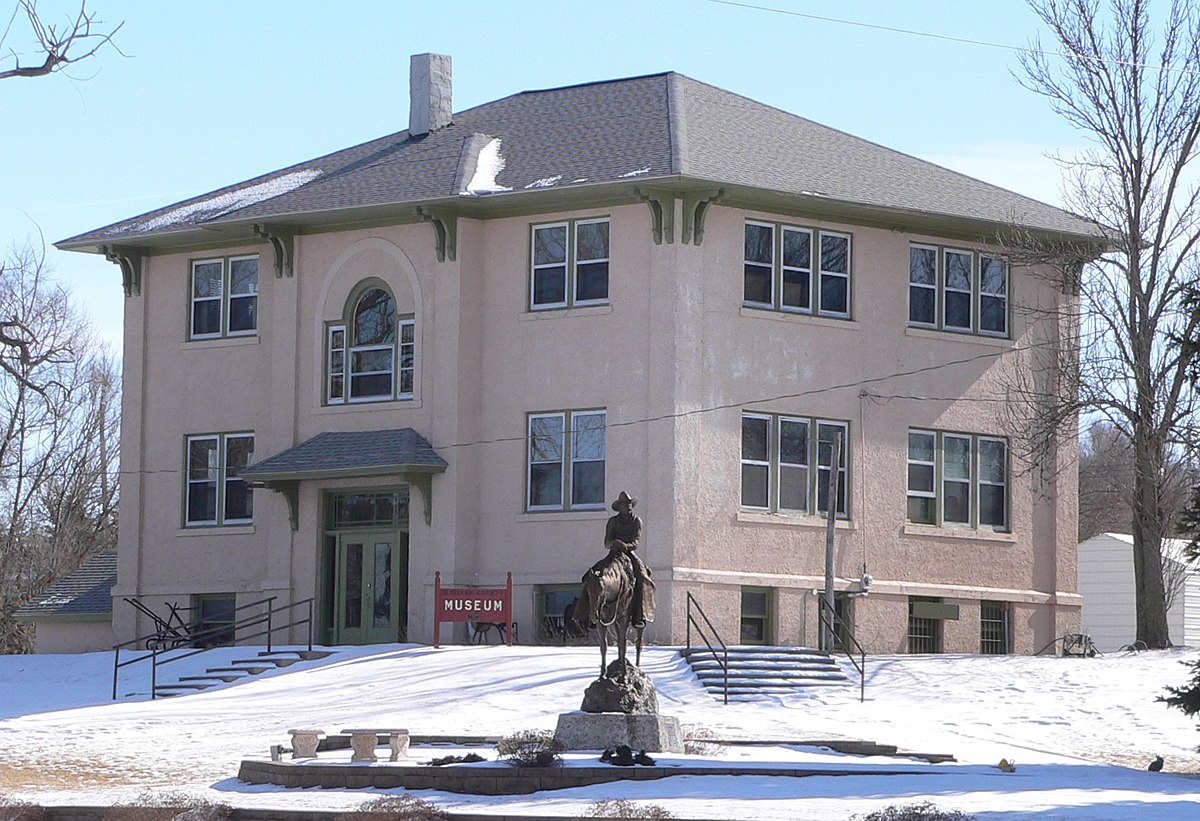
x=622, y=534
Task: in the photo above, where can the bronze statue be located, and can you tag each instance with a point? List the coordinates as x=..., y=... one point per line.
x=617, y=590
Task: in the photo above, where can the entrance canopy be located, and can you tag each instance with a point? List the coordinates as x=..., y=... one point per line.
x=402, y=453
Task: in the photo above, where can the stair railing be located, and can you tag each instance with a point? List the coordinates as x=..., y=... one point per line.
x=198, y=637
x=840, y=632
x=721, y=659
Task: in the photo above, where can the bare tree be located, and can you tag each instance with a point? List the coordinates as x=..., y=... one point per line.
x=59, y=414
x=1134, y=90
x=53, y=46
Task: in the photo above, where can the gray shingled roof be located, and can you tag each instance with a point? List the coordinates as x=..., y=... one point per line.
x=85, y=592
x=350, y=453
x=623, y=132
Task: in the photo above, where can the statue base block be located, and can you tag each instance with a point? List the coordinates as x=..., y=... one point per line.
x=599, y=731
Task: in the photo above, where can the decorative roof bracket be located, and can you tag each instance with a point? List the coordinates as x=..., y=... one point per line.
x=290, y=491
x=424, y=483
x=662, y=213
x=130, y=262
x=695, y=209
x=445, y=226
x=283, y=243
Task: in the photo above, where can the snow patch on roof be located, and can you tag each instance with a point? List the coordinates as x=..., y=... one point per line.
x=545, y=182
x=489, y=164
x=645, y=170
x=220, y=204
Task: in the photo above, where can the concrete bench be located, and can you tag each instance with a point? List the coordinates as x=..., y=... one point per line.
x=304, y=742
x=364, y=742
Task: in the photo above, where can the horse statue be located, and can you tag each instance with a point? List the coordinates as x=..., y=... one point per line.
x=606, y=599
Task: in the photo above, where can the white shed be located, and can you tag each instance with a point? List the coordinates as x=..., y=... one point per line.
x=1106, y=584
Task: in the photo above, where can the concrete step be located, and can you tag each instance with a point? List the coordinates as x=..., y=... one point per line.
x=244, y=670
x=277, y=661
x=213, y=677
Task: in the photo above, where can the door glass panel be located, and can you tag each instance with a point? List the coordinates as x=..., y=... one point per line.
x=352, y=613
x=383, y=584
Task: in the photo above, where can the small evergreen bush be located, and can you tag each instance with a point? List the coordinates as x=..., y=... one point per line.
x=396, y=808
x=924, y=811
x=627, y=810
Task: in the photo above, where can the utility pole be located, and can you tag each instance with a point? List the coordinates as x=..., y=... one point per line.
x=835, y=459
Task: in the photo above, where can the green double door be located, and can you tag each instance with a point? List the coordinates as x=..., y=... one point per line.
x=370, y=586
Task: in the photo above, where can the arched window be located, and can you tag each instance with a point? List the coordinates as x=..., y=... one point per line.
x=371, y=352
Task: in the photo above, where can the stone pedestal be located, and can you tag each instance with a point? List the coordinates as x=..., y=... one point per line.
x=598, y=731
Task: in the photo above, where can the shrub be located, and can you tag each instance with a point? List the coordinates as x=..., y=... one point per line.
x=627, y=810
x=396, y=808
x=170, y=806
x=12, y=809
x=925, y=811
x=531, y=748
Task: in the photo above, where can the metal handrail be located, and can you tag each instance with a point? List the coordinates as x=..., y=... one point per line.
x=828, y=615
x=266, y=618
x=722, y=660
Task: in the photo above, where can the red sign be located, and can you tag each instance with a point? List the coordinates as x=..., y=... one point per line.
x=492, y=605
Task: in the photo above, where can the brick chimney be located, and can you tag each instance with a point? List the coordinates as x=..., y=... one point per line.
x=429, y=93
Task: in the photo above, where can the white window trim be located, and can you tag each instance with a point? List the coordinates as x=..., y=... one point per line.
x=972, y=455
x=330, y=330
x=224, y=299
x=932, y=465
x=570, y=264
x=573, y=294
x=348, y=350
x=222, y=479
x=969, y=328
x=567, y=452
x=974, y=483
x=400, y=367
x=780, y=465
x=1002, y=334
x=534, y=266
x=569, y=431
x=823, y=273
x=226, y=311
x=783, y=269
x=771, y=436
x=935, y=287
x=815, y=271
x=812, y=490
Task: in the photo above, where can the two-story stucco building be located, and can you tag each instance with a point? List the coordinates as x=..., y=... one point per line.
x=450, y=348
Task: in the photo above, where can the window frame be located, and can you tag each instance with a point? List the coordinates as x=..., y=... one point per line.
x=816, y=271
x=974, y=482
x=401, y=352
x=814, y=472
x=220, y=480
x=977, y=295
x=570, y=264
x=225, y=299
x=567, y=461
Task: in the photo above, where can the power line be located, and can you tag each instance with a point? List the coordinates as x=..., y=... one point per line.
x=951, y=38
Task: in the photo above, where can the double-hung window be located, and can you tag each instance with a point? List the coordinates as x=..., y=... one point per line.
x=370, y=354
x=786, y=463
x=957, y=480
x=224, y=299
x=779, y=265
x=215, y=492
x=569, y=264
x=567, y=451
x=957, y=290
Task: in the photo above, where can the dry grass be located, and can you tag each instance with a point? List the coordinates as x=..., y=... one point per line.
x=72, y=775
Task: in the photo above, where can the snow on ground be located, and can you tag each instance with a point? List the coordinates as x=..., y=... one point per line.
x=1080, y=730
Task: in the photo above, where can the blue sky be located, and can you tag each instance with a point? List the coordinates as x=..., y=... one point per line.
x=218, y=91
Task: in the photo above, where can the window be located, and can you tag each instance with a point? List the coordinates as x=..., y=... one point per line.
x=569, y=264
x=371, y=354
x=216, y=493
x=966, y=293
x=566, y=458
x=957, y=480
x=778, y=269
x=215, y=615
x=993, y=628
x=777, y=456
x=756, y=615
x=924, y=625
x=224, y=297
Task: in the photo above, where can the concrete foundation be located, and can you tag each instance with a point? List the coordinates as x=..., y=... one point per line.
x=598, y=731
